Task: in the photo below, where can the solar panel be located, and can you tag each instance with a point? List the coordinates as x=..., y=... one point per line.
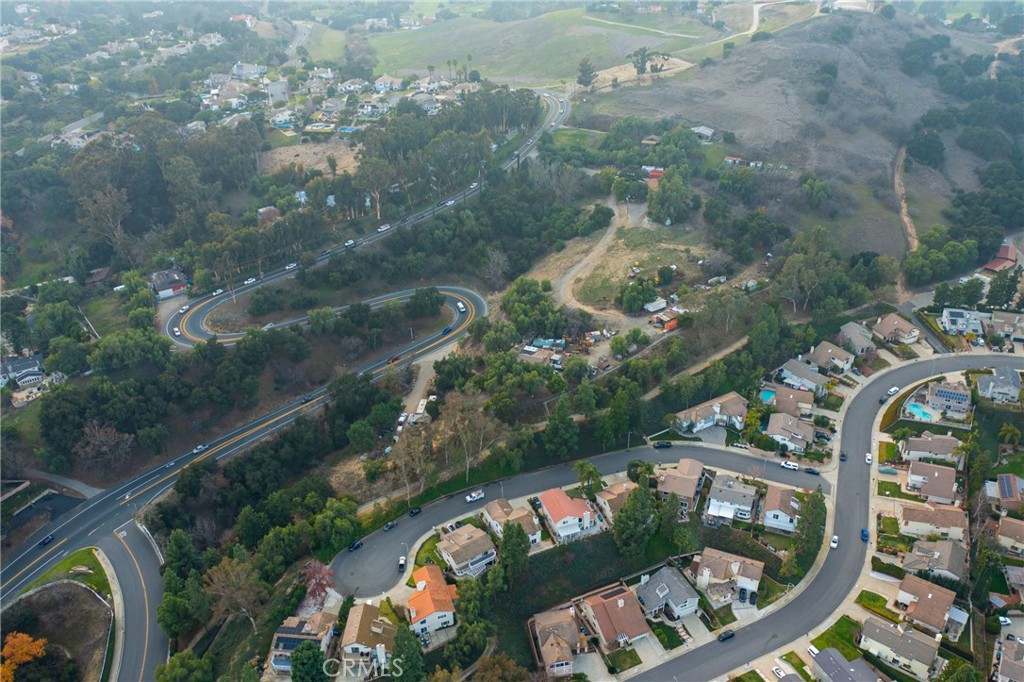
x=1005, y=487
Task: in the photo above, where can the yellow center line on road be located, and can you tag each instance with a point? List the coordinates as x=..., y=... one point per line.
x=145, y=604
x=34, y=562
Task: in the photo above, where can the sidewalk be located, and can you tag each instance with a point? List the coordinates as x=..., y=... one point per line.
x=83, y=489
x=118, y=603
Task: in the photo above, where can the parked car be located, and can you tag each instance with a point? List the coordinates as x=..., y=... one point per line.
x=402, y=418
x=291, y=266
x=893, y=391
x=812, y=471
x=792, y=466
x=662, y=444
x=389, y=525
x=864, y=535
x=1003, y=620
x=251, y=280
x=842, y=456
x=727, y=634
x=777, y=671
x=867, y=458
x=835, y=542
x=401, y=564
x=743, y=595
x=356, y=544
x=415, y=511
x=753, y=599
x=475, y=495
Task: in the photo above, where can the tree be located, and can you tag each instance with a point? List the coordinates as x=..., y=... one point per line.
x=587, y=73
x=361, y=435
x=251, y=526
x=590, y=477
x=958, y=670
x=185, y=667
x=639, y=58
x=19, y=649
x=234, y=587
x=1009, y=434
x=408, y=654
x=639, y=470
x=332, y=164
x=684, y=539
x=515, y=551
x=374, y=176
x=501, y=668
x=180, y=555
x=634, y=524
x=669, y=515
x=308, y=663
x=319, y=578
x=585, y=400
x=102, y=445
x=561, y=435
x=902, y=435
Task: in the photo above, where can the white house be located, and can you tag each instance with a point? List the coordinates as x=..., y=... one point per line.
x=684, y=480
x=22, y=371
x=894, y=329
x=725, y=410
x=831, y=357
x=714, y=567
x=730, y=499
x=386, y=84
x=1003, y=386
x=432, y=605
x=610, y=500
x=856, y=337
x=569, y=519
x=795, y=434
x=781, y=509
x=958, y=321
x=931, y=446
x=499, y=512
x=368, y=635
x=668, y=592
x=900, y=646
x=800, y=375
x=948, y=523
x=558, y=641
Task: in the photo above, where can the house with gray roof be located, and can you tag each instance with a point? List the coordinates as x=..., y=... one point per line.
x=667, y=591
x=928, y=445
x=22, y=371
x=800, y=375
x=1003, y=386
x=856, y=337
x=900, y=646
x=946, y=558
x=730, y=499
x=831, y=666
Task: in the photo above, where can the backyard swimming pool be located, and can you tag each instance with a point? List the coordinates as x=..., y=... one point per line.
x=919, y=412
x=766, y=395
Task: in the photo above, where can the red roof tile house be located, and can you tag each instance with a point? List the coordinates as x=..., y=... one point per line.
x=616, y=616
x=569, y=519
x=432, y=605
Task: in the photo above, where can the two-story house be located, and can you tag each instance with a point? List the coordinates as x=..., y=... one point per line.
x=569, y=519
x=953, y=399
x=468, y=551
x=796, y=434
x=499, y=512
x=610, y=500
x=959, y=321
x=730, y=499
x=948, y=523
x=1011, y=665
x=781, y=509
x=668, y=592
x=934, y=482
x=800, y=375
x=317, y=628
x=788, y=400
x=685, y=481
x=558, y=640
x=894, y=329
x=1002, y=386
x=22, y=371
x=615, y=615
x=432, y=605
x=901, y=647
x=930, y=606
x=1011, y=535
x=831, y=666
x=368, y=636
x=831, y=357
x=932, y=446
x=714, y=567
x=944, y=558
x=1006, y=492
x=725, y=410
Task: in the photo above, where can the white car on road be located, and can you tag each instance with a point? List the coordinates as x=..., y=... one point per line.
x=291, y=266
x=867, y=458
x=251, y=280
x=835, y=542
x=475, y=495
x=183, y=310
x=177, y=332
x=218, y=292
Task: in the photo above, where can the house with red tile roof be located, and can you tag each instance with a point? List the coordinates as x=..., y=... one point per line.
x=616, y=616
x=432, y=605
x=569, y=519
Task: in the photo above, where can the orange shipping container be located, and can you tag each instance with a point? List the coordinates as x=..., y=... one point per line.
x=671, y=324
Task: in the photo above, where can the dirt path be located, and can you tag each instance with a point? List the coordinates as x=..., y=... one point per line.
x=562, y=288
x=909, y=230
x=693, y=369
x=642, y=28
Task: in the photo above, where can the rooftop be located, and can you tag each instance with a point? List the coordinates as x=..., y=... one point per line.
x=465, y=543
x=366, y=627
x=933, y=602
x=559, y=505
x=907, y=642
x=432, y=594
x=618, y=614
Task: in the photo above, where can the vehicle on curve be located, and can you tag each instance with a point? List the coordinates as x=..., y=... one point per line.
x=390, y=525
x=401, y=564
x=415, y=511
x=356, y=544
x=475, y=495
x=835, y=542
x=177, y=332
x=183, y=309
x=217, y=292
x=893, y=391
x=460, y=306
x=659, y=444
x=446, y=330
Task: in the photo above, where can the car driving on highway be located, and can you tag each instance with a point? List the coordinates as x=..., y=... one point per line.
x=183, y=310
x=350, y=244
x=217, y=292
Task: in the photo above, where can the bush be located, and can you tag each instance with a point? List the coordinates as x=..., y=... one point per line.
x=886, y=568
x=374, y=469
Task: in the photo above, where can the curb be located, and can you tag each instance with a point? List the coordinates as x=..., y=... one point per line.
x=118, y=600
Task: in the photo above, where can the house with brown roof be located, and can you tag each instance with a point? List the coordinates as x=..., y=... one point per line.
x=1006, y=257
x=781, y=509
x=1007, y=324
x=798, y=374
x=894, y=329
x=929, y=605
x=685, y=481
x=610, y=500
x=725, y=410
x=368, y=635
x=931, y=446
x=615, y=615
x=788, y=400
x=499, y=512
x=1006, y=492
x=945, y=558
x=432, y=605
x=720, y=573
x=796, y=434
x=1011, y=535
x=831, y=357
x=920, y=522
x=317, y=628
x=468, y=551
x=569, y=519
x=935, y=482
x=1011, y=664
x=557, y=640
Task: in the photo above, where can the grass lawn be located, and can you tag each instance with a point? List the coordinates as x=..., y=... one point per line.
x=97, y=580
x=889, y=526
x=887, y=452
x=777, y=541
x=388, y=611
x=832, y=402
x=769, y=591
x=798, y=664
x=429, y=550
x=875, y=603
x=669, y=637
x=324, y=43
x=104, y=312
x=26, y=421
x=749, y=676
x=15, y=502
x=891, y=489
x=276, y=138
x=575, y=137
x=997, y=583
x=725, y=615
x=624, y=659
x=843, y=636
x=1014, y=465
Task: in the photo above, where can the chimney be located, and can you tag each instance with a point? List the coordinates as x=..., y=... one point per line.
x=717, y=407
x=621, y=602
x=376, y=626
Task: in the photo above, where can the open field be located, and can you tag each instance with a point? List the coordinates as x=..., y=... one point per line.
x=324, y=42
x=310, y=154
x=558, y=39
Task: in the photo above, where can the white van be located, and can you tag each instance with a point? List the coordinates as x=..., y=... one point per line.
x=461, y=308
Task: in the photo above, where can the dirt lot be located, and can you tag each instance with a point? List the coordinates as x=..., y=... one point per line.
x=312, y=155
x=764, y=93
x=73, y=619
x=626, y=73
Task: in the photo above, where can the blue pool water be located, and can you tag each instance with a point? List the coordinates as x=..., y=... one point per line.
x=767, y=395
x=919, y=412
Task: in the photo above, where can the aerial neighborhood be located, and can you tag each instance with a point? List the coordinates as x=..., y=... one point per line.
x=437, y=342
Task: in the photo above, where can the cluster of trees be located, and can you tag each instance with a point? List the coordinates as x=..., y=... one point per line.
x=621, y=148
x=740, y=236
x=809, y=535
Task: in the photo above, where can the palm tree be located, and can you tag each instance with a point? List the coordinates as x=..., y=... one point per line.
x=590, y=477
x=1009, y=434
